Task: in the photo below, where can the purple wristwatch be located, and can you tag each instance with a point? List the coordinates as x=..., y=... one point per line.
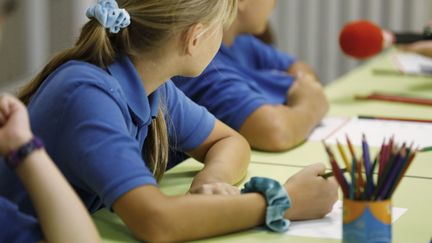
x=16, y=157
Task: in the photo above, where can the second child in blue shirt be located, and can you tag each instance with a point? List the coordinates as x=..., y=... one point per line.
x=271, y=98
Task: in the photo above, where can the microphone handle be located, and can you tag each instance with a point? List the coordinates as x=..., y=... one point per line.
x=410, y=37
x=407, y=38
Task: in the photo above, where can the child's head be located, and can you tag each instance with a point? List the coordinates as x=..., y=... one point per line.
x=153, y=23
x=154, y=26
x=253, y=15
x=156, y=23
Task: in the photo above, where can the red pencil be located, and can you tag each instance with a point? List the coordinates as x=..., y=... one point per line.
x=395, y=98
x=351, y=148
x=337, y=172
x=403, y=171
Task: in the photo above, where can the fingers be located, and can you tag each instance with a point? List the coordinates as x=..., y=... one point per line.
x=417, y=46
x=2, y=119
x=317, y=169
x=8, y=104
x=299, y=75
x=4, y=108
x=216, y=188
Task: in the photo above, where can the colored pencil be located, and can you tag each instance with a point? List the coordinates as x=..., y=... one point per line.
x=353, y=179
x=392, y=160
x=338, y=174
x=426, y=149
x=351, y=148
x=366, y=156
x=331, y=173
x=408, y=163
x=394, y=119
x=395, y=98
x=343, y=155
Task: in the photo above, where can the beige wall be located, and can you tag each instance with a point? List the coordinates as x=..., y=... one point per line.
x=309, y=29
x=305, y=28
x=36, y=30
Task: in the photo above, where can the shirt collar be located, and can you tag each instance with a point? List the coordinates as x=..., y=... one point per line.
x=228, y=51
x=143, y=107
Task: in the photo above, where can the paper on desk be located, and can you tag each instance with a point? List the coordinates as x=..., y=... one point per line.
x=375, y=130
x=327, y=127
x=330, y=226
x=411, y=63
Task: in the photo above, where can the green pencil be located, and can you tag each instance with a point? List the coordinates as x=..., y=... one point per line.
x=426, y=149
x=328, y=174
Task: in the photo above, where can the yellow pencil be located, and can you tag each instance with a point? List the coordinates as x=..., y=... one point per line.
x=344, y=157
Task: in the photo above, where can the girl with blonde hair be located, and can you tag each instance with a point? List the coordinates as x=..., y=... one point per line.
x=109, y=115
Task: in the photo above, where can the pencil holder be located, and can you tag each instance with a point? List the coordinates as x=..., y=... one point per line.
x=366, y=221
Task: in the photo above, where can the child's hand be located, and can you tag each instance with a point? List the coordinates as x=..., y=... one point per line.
x=300, y=68
x=311, y=195
x=219, y=188
x=420, y=47
x=14, y=124
x=307, y=91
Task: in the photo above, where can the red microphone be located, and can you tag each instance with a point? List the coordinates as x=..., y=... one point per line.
x=363, y=39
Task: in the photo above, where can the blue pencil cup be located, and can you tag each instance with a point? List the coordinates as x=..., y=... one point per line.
x=366, y=221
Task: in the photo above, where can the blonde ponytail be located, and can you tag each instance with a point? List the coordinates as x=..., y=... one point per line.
x=152, y=23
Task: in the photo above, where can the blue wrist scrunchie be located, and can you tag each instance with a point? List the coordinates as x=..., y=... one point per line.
x=109, y=15
x=277, y=199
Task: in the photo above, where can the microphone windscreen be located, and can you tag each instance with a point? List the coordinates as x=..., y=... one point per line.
x=361, y=39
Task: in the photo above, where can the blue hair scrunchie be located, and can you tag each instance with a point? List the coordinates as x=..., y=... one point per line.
x=109, y=15
x=277, y=198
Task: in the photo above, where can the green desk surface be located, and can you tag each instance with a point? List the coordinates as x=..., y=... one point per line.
x=413, y=226
x=362, y=80
x=342, y=103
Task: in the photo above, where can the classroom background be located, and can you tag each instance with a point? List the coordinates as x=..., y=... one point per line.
x=308, y=29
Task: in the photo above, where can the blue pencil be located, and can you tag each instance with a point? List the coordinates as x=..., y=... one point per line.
x=391, y=179
x=399, y=171
x=353, y=179
x=366, y=157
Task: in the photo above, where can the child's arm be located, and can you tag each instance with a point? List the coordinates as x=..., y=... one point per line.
x=420, y=47
x=300, y=67
x=280, y=127
x=153, y=216
x=226, y=156
x=61, y=214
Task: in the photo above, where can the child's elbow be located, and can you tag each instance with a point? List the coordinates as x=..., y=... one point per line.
x=157, y=229
x=154, y=224
x=280, y=140
x=275, y=137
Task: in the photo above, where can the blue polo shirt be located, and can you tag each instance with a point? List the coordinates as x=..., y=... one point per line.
x=94, y=123
x=17, y=227
x=240, y=79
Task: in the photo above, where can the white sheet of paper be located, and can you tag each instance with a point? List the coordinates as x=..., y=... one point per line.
x=412, y=63
x=375, y=130
x=330, y=226
x=327, y=127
